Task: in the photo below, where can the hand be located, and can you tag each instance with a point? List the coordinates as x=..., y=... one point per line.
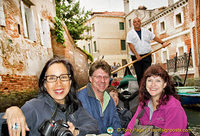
x=138, y=57
x=72, y=129
x=165, y=44
x=14, y=115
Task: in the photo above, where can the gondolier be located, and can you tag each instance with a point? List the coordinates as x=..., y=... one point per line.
x=138, y=40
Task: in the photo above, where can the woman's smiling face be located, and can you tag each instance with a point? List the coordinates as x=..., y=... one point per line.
x=58, y=90
x=155, y=86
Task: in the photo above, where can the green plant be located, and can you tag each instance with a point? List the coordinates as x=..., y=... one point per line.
x=74, y=17
x=59, y=31
x=90, y=57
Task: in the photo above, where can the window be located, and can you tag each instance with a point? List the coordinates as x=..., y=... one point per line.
x=28, y=20
x=162, y=27
x=2, y=16
x=164, y=55
x=93, y=29
x=89, y=48
x=121, y=25
x=181, y=49
x=95, y=46
x=178, y=19
x=129, y=22
x=45, y=36
x=123, y=45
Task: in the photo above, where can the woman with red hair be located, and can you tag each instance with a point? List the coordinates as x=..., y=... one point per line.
x=159, y=104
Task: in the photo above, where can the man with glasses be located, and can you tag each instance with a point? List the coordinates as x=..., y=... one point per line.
x=97, y=101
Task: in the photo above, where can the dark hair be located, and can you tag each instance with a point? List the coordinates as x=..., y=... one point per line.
x=112, y=89
x=71, y=98
x=100, y=64
x=169, y=90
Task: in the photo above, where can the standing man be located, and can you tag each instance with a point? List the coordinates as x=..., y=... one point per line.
x=114, y=67
x=138, y=40
x=97, y=101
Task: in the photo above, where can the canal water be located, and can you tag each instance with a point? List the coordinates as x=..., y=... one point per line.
x=193, y=115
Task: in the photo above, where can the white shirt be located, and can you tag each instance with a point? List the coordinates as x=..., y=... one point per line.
x=142, y=46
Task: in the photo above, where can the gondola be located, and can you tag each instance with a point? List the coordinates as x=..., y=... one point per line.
x=189, y=95
x=128, y=91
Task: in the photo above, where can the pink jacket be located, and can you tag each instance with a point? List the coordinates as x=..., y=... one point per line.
x=169, y=117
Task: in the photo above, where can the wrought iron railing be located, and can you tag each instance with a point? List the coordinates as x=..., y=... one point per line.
x=179, y=63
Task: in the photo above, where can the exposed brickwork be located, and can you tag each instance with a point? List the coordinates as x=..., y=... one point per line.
x=21, y=55
x=18, y=83
x=180, y=35
x=21, y=58
x=75, y=56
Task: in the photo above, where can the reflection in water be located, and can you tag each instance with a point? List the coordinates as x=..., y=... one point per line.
x=193, y=115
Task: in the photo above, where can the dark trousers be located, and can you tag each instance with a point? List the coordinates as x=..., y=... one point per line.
x=115, y=75
x=141, y=66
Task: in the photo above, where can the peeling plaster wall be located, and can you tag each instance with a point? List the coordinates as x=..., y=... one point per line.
x=21, y=59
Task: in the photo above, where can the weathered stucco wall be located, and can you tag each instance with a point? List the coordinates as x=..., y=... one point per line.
x=22, y=59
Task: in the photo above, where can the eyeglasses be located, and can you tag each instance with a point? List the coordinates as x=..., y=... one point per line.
x=100, y=77
x=53, y=78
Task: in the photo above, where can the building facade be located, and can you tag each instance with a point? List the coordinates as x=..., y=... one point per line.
x=108, y=37
x=177, y=24
x=27, y=42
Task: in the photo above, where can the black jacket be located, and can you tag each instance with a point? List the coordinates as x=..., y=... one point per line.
x=125, y=116
x=42, y=108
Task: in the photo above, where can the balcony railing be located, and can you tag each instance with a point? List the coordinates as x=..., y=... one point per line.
x=179, y=63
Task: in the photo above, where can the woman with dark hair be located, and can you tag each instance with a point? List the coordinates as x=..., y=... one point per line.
x=56, y=102
x=159, y=101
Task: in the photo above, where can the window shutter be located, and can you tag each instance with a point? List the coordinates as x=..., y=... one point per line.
x=31, y=24
x=2, y=16
x=41, y=31
x=46, y=33
x=24, y=19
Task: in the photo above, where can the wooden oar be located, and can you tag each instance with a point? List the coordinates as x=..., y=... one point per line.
x=122, y=67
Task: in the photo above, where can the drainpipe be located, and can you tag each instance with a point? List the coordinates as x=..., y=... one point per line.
x=196, y=38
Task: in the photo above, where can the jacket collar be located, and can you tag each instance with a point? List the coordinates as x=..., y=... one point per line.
x=90, y=90
x=49, y=100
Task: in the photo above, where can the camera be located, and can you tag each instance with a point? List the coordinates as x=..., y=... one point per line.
x=54, y=128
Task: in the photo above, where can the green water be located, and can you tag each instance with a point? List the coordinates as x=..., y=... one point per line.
x=193, y=115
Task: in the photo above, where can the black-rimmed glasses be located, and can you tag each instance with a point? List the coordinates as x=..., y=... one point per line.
x=53, y=78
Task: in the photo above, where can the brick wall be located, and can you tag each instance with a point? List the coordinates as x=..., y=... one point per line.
x=22, y=58
x=18, y=83
x=73, y=54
